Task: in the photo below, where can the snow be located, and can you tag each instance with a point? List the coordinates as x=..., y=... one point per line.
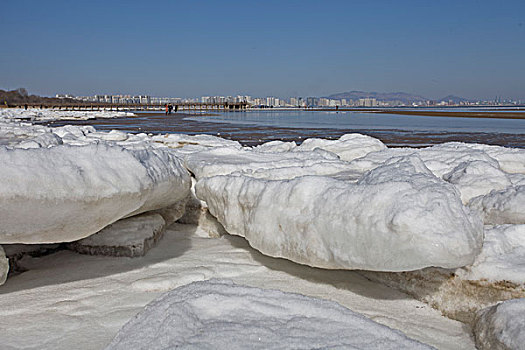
x=501, y=326
x=498, y=273
x=130, y=237
x=502, y=257
x=505, y=206
x=72, y=301
x=398, y=217
x=220, y=314
x=228, y=160
x=348, y=147
x=65, y=193
x=350, y=203
x=35, y=114
x=477, y=178
x=4, y=266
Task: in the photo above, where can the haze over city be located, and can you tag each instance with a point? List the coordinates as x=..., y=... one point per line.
x=473, y=49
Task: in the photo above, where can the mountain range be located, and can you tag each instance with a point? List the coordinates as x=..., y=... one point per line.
x=392, y=96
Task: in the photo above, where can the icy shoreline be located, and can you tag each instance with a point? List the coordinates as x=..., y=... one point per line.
x=349, y=204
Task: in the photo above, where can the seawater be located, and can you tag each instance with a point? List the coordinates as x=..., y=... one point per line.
x=365, y=121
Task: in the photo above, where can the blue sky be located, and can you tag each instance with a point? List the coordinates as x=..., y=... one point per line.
x=474, y=49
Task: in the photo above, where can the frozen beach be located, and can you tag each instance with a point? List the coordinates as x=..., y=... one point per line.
x=373, y=247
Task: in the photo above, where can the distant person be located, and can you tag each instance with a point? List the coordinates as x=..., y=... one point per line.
x=167, y=109
x=25, y=106
x=176, y=108
x=170, y=108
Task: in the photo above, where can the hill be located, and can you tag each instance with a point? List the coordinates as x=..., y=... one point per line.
x=20, y=97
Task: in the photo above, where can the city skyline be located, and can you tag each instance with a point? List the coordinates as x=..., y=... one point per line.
x=472, y=49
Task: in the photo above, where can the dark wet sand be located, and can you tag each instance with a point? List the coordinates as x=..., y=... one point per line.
x=249, y=135
x=508, y=114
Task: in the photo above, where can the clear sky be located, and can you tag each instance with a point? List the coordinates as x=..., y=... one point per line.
x=470, y=48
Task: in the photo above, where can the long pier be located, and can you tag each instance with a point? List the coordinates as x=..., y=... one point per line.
x=180, y=106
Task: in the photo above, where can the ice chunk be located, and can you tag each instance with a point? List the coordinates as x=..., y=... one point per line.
x=348, y=147
x=277, y=165
x=502, y=258
x=501, y=326
x=506, y=206
x=130, y=237
x=66, y=193
x=276, y=146
x=35, y=114
x=4, y=266
x=222, y=315
x=397, y=217
x=497, y=274
x=190, y=144
x=477, y=178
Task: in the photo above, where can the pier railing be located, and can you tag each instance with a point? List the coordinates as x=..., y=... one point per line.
x=182, y=106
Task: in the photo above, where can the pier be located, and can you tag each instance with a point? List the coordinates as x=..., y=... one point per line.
x=181, y=106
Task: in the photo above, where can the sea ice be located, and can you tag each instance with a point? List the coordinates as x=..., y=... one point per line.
x=497, y=274
x=398, y=217
x=501, y=326
x=222, y=315
x=477, y=178
x=348, y=147
x=66, y=193
x=257, y=163
x=130, y=237
x=502, y=258
x=35, y=114
x=506, y=206
x=4, y=266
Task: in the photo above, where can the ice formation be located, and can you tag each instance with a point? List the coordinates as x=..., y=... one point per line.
x=4, y=266
x=222, y=315
x=35, y=114
x=130, y=237
x=497, y=274
x=348, y=147
x=65, y=193
x=398, y=217
x=501, y=326
x=350, y=203
x=505, y=206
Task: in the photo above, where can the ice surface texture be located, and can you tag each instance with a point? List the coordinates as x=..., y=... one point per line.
x=129, y=237
x=501, y=326
x=221, y=315
x=35, y=114
x=4, y=266
x=398, y=217
x=65, y=193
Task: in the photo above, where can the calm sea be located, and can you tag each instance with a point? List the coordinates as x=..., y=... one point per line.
x=366, y=121
x=258, y=126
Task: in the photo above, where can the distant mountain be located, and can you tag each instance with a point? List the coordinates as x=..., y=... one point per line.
x=380, y=96
x=454, y=99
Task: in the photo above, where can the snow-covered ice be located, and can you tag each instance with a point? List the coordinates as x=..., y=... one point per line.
x=497, y=274
x=398, y=217
x=35, y=114
x=66, y=193
x=506, y=206
x=502, y=258
x=72, y=301
x=4, y=266
x=501, y=326
x=217, y=314
x=348, y=147
x=130, y=237
x=338, y=204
